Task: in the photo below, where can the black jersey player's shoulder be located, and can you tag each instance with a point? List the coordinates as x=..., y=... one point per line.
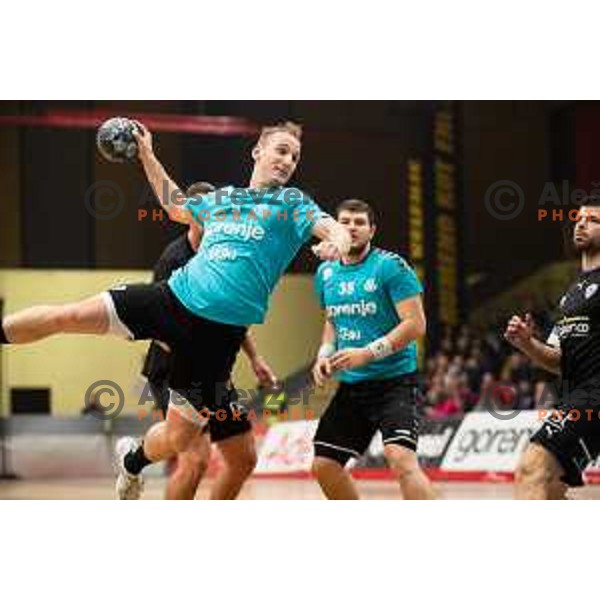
x=173, y=257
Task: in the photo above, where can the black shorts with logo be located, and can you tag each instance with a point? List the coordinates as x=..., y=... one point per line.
x=358, y=410
x=203, y=351
x=230, y=420
x=572, y=435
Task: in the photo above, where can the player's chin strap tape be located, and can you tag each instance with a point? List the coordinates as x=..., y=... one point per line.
x=381, y=348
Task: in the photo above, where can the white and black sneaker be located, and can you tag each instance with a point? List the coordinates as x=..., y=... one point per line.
x=129, y=486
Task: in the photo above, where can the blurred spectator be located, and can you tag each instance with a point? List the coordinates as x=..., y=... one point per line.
x=472, y=368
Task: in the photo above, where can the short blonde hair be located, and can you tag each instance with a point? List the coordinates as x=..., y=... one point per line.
x=287, y=126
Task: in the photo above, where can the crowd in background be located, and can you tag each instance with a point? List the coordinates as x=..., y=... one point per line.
x=470, y=369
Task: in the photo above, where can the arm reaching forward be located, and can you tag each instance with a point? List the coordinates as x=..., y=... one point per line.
x=519, y=332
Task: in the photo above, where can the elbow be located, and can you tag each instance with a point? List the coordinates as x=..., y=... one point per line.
x=421, y=328
x=178, y=214
x=413, y=329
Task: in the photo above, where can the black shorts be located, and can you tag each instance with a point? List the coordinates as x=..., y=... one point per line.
x=158, y=363
x=573, y=437
x=203, y=351
x=225, y=423
x=358, y=410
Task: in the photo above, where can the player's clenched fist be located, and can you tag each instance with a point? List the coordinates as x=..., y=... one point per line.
x=519, y=331
x=327, y=251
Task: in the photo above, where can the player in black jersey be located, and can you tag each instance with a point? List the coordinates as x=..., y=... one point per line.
x=232, y=437
x=568, y=440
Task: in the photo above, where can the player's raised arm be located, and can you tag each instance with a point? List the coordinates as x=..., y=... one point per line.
x=519, y=332
x=335, y=239
x=168, y=193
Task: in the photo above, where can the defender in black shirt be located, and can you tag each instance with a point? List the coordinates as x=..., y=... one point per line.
x=569, y=439
x=232, y=436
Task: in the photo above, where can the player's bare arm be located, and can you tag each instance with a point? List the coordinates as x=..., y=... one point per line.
x=412, y=326
x=519, y=333
x=168, y=193
x=263, y=371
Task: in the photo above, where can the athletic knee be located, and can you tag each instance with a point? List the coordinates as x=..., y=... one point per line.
x=193, y=463
x=246, y=462
x=530, y=473
x=534, y=468
x=402, y=461
x=325, y=467
x=240, y=460
x=524, y=471
x=180, y=438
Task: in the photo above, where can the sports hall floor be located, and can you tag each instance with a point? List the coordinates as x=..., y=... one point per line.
x=258, y=489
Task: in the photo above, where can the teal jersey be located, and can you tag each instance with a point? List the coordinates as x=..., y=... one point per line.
x=359, y=300
x=250, y=237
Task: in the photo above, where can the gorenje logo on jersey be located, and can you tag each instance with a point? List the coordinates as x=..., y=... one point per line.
x=578, y=326
x=244, y=231
x=362, y=308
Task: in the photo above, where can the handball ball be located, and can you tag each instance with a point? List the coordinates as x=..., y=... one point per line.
x=115, y=139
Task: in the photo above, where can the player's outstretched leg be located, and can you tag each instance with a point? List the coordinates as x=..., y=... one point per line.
x=415, y=485
x=538, y=476
x=336, y=483
x=191, y=465
x=38, y=322
x=239, y=460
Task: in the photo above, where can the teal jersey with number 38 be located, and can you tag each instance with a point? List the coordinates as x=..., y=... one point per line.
x=359, y=300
